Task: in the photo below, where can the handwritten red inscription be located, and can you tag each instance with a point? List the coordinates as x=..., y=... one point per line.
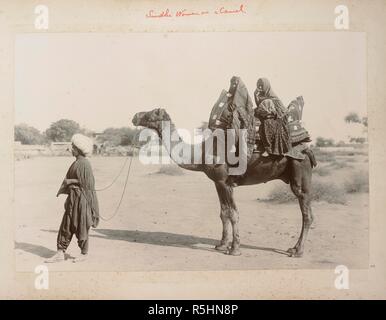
x=186, y=13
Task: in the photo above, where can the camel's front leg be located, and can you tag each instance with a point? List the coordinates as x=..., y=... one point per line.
x=229, y=218
x=300, y=185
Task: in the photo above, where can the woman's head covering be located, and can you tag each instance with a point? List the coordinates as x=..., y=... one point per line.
x=240, y=95
x=82, y=143
x=264, y=91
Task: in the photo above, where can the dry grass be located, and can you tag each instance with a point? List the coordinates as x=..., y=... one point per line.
x=323, y=156
x=358, y=182
x=321, y=191
x=338, y=165
x=170, y=170
x=322, y=171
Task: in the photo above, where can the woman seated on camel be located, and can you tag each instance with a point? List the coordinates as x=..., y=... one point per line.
x=274, y=131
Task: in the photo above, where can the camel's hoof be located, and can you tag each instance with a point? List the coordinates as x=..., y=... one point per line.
x=295, y=253
x=234, y=252
x=222, y=247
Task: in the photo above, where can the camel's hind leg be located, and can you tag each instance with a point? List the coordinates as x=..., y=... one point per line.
x=230, y=241
x=301, y=173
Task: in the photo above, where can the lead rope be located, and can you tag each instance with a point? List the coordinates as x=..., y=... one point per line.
x=125, y=185
x=123, y=193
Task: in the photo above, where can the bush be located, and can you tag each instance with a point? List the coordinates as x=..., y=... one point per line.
x=321, y=191
x=323, y=142
x=339, y=165
x=345, y=153
x=170, y=170
x=329, y=192
x=322, y=171
x=357, y=183
x=323, y=156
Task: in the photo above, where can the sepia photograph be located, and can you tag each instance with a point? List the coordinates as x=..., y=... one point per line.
x=192, y=150
x=82, y=101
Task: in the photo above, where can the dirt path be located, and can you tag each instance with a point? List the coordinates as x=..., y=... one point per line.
x=172, y=223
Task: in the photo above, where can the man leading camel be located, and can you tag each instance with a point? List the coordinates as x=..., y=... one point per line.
x=81, y=206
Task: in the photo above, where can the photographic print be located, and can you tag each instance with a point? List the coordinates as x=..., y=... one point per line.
x=192, y=150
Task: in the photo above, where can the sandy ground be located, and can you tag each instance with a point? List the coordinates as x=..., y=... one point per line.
x=172, y=223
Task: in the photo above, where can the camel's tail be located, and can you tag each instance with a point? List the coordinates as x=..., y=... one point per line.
x=311, y=155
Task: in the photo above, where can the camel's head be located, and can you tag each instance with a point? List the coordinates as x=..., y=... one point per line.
x=151, y=119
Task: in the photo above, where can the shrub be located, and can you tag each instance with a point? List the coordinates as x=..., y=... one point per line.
x=323, y=156
x=345, y=153
x=321, y=191
x=339, y=165
x=322, y=171
x=323, y=142
x=170, y=170
x=358, y=182
x=329, y=192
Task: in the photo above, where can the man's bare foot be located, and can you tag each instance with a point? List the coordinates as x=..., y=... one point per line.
x=82, y=257
x=265, y=154
x=57, y=257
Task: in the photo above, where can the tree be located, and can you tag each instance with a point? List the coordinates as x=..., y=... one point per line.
x=118, y=136
x=352, y=117
x=28, y=135
x=62, y=130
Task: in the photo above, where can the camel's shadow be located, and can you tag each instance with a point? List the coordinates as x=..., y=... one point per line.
x=170, y=239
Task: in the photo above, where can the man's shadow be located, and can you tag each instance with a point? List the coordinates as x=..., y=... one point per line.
x=35, y=249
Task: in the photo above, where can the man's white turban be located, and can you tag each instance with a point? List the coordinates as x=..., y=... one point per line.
x=83, y=143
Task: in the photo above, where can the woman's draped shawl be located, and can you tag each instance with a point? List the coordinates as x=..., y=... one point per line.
x=243, y=117
x=236, y=113
x=273, y=107
x=274, y=131
x=82, y=202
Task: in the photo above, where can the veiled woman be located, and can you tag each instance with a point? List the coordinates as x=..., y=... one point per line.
x=239, y=114
x=274, y=131
x=81, y=206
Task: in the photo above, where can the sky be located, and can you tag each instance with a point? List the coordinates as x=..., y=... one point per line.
x=102, y=80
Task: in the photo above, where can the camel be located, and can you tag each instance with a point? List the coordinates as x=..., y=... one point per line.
x=260, y=169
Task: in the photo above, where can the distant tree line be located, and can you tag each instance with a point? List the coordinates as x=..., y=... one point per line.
x=64, y=129
x=353, y=118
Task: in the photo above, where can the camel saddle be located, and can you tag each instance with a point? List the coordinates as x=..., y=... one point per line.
x=219, y=117
x=294, y=116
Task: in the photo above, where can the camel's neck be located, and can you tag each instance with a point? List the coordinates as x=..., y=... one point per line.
x=180, y=152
